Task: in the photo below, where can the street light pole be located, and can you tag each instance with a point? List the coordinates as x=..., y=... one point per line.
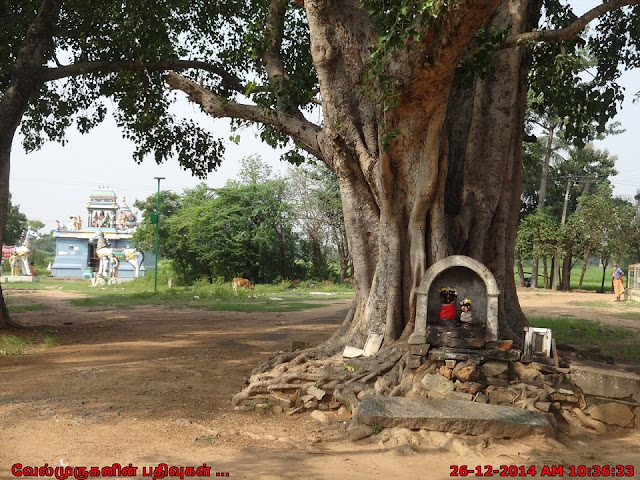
x=157, y=222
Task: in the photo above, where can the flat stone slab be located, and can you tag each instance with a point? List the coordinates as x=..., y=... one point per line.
x=455, y=416
x=605, y=380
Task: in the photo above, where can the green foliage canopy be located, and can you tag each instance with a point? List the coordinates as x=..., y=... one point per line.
x=538, y=235
x=16, y=224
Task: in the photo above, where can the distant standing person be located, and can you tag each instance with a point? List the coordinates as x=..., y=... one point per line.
x=618, y=284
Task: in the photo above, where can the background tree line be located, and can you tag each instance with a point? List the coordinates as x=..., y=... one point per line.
x=568, y=212
x=260, y=226
x=577, y=219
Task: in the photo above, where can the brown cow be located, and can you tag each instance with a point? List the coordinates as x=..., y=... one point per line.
x=241, y=282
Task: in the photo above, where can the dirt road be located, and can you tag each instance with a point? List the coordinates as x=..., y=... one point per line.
x=149, y=385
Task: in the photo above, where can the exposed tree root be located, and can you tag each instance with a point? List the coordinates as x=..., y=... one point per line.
x=289, y=375
x=590, y=422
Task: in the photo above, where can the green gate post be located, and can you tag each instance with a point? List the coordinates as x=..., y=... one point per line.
x=157, y=222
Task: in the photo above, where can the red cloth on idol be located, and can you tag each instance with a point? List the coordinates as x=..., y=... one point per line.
x=447, y=311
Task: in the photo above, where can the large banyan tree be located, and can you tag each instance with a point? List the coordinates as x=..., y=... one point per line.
x=417, y=105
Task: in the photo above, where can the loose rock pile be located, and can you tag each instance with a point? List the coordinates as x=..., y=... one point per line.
x=477, y=376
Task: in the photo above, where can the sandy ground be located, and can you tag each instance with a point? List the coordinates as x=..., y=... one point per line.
x=152, y=385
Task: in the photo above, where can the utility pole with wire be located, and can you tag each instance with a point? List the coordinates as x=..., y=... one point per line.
x=556, y=264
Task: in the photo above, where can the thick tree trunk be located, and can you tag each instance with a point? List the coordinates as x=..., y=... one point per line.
x=542, y=194
x=14, y=101
x=521, y=279
x=565, y=282
x=5, y=155
x=449, y=184
x=534, y=272
x=604, y=273
x=555, y=269
x=584, y=268
x=485, y=200
x=474, y=189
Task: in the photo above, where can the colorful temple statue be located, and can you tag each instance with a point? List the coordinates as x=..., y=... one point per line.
x=77, y=255
x=466, y=316
x=111, y=257
x=18, y=255
x=448, y=297
x=14, y=261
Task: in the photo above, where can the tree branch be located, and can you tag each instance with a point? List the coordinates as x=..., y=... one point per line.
x=303, y=132
x=273, y=32
x=459, y=23
x=272, y=55
x=573, y=30
x=76, y=69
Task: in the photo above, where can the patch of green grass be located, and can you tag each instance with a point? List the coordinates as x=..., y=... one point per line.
x=628, y=315
x=51, y=339
x=216, y=296
x=9, y=286
x=28, y=341
x=27, y=308
x=12, y=345
x=623, y=344
x=597, y=303
x=592, y=277
x=180, y=298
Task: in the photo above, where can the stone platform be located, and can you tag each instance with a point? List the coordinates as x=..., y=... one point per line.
x=456, y=335
x=605, y=380
x=453, y=416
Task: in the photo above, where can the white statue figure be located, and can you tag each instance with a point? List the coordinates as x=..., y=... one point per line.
x=105, y=253
x=25, y=250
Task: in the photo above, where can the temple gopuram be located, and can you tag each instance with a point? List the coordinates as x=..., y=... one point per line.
x=75, y=252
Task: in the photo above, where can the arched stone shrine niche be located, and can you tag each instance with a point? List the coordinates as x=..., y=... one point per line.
x=472, y=280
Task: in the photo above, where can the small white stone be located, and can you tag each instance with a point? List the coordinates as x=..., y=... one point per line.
x=319, y=416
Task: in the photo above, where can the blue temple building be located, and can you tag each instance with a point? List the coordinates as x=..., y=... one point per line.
x=75, y=252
